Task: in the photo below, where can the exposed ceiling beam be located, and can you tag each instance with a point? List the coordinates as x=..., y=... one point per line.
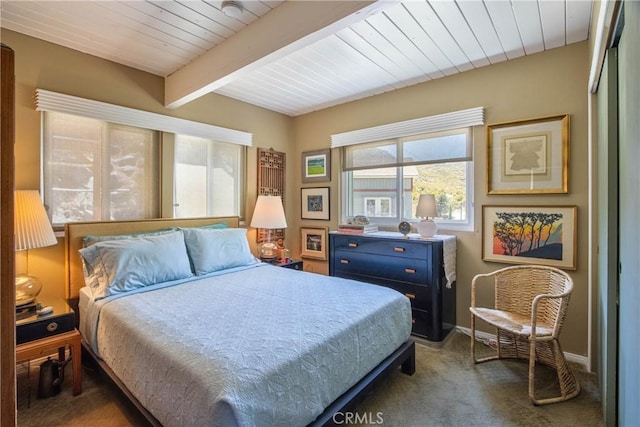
x=289, y=27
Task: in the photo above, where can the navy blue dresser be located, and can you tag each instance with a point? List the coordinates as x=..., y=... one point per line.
x=414, y=267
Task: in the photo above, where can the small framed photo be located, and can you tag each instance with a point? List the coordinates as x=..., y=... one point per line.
x=530, y=235
x=315, y=203
x=314, y=242
x=316, y=166
x=528, y=157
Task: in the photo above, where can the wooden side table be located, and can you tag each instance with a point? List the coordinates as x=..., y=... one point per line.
x=292, y=264
x=38, y=336
x=38, y=348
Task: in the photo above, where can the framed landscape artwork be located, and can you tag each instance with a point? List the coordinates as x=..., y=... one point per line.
x=528, y=157
x=315, y=203
x=530, y=235
x=314, y=242
x=316, y=166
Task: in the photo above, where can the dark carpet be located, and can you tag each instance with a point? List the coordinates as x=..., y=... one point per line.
x=446, y=390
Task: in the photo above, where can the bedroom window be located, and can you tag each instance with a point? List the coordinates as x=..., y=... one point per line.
x=104, y=161
x=383, y=180
x=208, y=177
x=400, y=161
x=95, y=170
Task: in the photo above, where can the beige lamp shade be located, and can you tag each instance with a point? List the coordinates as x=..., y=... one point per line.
x=32, y=226
x=426, y=208
x=269, y=213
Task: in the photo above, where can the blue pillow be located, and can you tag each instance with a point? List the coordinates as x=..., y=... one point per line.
x=91, y=239
x=215, y=226
x=122, y=265
x=217, y=249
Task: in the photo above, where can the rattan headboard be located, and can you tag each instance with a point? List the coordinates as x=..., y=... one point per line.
x=74, y=232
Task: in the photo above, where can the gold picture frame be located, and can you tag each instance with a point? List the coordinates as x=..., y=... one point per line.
x=530, y=235
x=528, y=156
x=313, y=242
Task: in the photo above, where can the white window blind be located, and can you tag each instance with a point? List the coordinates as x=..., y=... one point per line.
x=434, y=147
x=61, y=103
x=440, y=122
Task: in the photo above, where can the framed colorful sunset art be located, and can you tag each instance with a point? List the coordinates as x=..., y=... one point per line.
x=530, y=235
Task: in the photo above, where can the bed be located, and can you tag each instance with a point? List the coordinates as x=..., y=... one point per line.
x=227, y=340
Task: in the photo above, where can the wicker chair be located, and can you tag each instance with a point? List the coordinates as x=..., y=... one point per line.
x=530, y=306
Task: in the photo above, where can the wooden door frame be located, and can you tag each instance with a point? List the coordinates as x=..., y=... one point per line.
x=7, y=245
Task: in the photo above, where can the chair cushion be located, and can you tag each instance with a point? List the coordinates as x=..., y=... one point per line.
x=512, y=322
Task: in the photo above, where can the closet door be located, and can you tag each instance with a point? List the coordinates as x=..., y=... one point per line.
x=7, y=258
x=629, y=158
x=608, y=235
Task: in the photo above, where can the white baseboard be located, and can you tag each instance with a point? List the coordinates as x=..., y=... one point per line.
x=487, y=338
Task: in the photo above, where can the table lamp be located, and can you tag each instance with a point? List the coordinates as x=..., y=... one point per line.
x=426, y=208
x=32, y=230
x=268, y=214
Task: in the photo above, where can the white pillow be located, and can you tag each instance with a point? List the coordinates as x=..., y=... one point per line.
x=116, y=266
x=217, y=249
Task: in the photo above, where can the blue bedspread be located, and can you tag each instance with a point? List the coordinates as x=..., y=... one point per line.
x=264, y=346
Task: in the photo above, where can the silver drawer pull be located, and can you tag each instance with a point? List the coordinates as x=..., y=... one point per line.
x=52, y=326
x=353, y=245
x=410, y=270
x=410, y=296
x=344, y=261
x=413, y=320
x=398, y=249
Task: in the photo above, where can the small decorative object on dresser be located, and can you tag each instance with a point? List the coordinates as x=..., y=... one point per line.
x=426, y=208
x=423, y=270
x=405, y=228
x=357, y=229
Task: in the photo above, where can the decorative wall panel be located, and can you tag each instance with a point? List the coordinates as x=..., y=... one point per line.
x=271, y=179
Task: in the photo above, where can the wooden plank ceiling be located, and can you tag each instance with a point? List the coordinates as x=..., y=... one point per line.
x=296, y=57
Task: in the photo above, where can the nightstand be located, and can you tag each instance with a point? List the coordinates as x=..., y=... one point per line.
x=38, y=336
x=292, y=264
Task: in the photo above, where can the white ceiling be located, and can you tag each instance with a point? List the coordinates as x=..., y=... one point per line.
x=295, y=57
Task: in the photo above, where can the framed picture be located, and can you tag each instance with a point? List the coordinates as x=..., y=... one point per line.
x=314, y=242
x=530, y=235
x=528, y=157
x=315, y=203
x=316, y=166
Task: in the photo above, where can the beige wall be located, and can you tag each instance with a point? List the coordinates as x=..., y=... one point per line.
x=52, y=67
x=540, y=85
x=544, y=84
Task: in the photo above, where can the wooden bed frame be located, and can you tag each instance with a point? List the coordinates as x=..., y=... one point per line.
x=403, y=357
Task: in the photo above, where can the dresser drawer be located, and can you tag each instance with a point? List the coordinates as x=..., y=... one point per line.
x=45, y=327
x=408, y=270
x=419, y=295
x=386, y=247
x=421, y=322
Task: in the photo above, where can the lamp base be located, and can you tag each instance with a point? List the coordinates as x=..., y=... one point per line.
x=427, y=228
x=268, y=251
x=27, y=289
